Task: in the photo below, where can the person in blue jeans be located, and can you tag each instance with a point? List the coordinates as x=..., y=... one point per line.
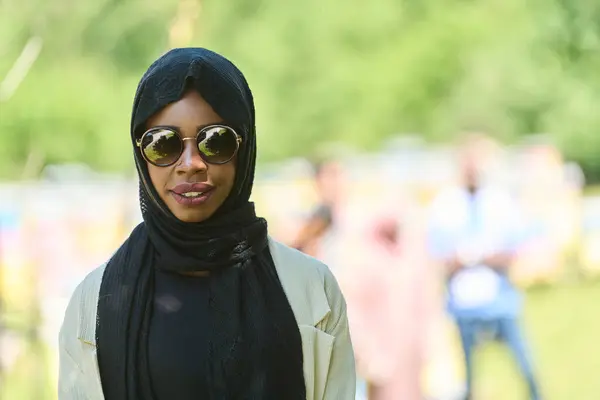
x=474, y=231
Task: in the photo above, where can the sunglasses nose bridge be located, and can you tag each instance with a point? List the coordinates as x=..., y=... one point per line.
x=192, y=146
x=190, y=157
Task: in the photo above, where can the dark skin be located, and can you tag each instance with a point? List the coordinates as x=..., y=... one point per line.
x=188, y=114
x=314, y=228
x=327, y=180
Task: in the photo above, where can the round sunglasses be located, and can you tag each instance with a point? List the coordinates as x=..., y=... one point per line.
x=162, y=146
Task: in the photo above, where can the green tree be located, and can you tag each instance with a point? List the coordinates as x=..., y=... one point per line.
x=349, y=71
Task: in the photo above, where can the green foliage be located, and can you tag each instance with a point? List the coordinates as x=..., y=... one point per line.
x=321, y=72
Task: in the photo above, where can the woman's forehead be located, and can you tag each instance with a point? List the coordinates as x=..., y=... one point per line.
x=191, y=111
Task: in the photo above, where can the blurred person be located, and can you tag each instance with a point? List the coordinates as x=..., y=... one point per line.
x=322, y=236
x=199, y=302
x=474, y=231
x=312, y=236
x=396, y=244
x=382, y=280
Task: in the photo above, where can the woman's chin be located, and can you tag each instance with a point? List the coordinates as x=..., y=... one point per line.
x=191, y=215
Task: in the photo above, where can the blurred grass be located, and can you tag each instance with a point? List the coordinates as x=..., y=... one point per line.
x=29, y=378
x=562, y=325
x=561, y=322
x=592, y=190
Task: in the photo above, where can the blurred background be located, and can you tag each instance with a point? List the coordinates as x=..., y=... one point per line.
x=385, y=92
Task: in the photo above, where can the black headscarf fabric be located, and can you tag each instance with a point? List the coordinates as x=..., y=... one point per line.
x=255, y=349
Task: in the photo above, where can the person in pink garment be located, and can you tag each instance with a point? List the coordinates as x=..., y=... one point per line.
x=374, y=252
x=385, y=285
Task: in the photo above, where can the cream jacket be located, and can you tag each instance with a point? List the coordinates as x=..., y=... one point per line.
x=315, y=297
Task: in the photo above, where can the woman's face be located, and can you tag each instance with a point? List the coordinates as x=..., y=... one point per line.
x=188, y=115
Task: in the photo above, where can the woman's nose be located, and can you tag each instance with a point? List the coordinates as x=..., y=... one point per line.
x=191, y=161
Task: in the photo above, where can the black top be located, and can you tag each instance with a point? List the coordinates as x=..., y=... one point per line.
x=179, y=337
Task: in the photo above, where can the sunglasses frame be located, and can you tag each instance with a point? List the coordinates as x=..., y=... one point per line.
x=238, y=142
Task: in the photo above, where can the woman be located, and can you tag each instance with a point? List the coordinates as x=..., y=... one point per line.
x=317, y=230
x=199, y=302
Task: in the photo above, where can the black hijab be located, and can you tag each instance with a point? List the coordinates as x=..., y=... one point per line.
x=255, y=349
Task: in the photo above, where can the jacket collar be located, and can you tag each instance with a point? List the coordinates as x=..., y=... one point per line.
x=303, y=285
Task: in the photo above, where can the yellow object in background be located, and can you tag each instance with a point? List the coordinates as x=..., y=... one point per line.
x=443, y=375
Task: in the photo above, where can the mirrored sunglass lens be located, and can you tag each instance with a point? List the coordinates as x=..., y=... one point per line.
x=161, y=147
x=217, y=144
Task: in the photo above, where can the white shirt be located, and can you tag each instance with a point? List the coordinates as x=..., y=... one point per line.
x=472, y=226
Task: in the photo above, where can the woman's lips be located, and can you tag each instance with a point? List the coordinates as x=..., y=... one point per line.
x=191, y=200
x=187, y=187
x=192, y=194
